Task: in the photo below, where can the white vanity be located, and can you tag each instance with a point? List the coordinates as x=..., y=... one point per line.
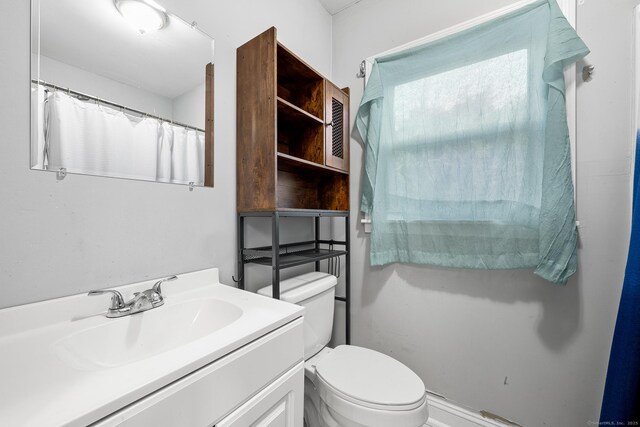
x=212, y=355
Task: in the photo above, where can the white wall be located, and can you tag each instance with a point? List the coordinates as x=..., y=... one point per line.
x=189, y=107
x=505, y=341
x=74, y=78
x=63, y=237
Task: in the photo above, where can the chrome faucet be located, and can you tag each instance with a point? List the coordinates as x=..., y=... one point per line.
x=157, y=286
x=141, y=301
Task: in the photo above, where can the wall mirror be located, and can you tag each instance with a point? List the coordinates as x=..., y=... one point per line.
x=121, y=88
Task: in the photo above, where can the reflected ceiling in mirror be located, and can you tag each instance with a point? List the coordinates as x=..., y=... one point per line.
x=119, y=97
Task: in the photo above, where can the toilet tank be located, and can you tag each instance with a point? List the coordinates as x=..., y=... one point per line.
x=314, y=291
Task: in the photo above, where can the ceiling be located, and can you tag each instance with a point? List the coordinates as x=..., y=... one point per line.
x=336, y=6
x=92, y=35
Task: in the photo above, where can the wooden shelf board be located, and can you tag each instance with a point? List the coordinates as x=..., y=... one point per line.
x=306, y=164
x=297, y=112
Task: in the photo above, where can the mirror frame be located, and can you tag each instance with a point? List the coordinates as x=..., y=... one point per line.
x=209, y=126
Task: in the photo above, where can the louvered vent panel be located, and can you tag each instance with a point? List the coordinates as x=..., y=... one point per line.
x=337, y=142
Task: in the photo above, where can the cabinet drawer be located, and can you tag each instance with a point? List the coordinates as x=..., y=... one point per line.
x=278, y=405
x=213, y=391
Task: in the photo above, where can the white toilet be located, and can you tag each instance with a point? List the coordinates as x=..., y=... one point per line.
x=349, y=386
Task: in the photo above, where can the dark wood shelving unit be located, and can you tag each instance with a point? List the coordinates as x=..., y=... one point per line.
x=286, y=111
x=292, y=149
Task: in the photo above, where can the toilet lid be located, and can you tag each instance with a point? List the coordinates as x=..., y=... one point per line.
x=370, y=378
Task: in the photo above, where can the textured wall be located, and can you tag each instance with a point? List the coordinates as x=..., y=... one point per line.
x=63, y=237
x=505, y=341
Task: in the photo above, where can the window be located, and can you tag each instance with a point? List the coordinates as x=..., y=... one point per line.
x=467, y=160
x=458, y=110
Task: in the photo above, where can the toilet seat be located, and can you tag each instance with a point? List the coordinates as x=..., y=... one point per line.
x=369, y=378
x=358, y=386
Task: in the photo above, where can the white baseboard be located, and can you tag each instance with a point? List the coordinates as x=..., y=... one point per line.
x=443, y=413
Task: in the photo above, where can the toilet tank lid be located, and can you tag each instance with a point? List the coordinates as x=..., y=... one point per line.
x=299, y=288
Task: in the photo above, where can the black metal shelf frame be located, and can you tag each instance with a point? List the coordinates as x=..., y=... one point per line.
x=280, y=256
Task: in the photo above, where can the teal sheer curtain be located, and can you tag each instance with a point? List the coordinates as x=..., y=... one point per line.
x=467, y=155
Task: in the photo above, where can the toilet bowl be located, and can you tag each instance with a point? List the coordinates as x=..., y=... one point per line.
x=349, y=386
x=352, y=386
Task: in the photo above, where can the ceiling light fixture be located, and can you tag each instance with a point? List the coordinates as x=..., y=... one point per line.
x=144, y=15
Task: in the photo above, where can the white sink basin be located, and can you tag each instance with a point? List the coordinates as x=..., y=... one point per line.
x=66, y=358
x=132, y=338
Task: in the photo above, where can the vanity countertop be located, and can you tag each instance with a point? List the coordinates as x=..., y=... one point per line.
x=59, y=367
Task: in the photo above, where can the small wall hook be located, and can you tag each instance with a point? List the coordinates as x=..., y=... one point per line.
x=363, y=70
x=587, y=73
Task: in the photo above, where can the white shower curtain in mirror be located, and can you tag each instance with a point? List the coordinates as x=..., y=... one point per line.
x=181, y=154
x=89, y=138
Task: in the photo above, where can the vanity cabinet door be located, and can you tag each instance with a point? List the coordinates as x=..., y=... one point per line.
x=279, y=405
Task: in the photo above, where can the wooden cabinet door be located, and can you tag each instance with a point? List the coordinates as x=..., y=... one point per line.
x=336, y=141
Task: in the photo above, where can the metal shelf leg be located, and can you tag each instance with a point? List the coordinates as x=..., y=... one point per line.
x=316, y=221
x=347, y=280
x=240, y=247
x=275, y=259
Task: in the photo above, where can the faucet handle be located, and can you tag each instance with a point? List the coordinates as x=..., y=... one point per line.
x=117, y=300
x=157, y=286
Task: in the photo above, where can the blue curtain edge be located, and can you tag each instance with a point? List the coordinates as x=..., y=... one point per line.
x=621, y=394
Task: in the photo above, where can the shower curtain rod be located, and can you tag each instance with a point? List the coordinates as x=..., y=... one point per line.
x=84, y=96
